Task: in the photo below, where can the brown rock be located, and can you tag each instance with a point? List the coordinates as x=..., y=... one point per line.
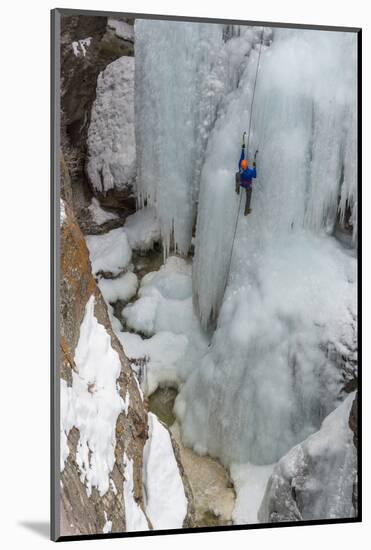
x=353, y=424
x=81, y=513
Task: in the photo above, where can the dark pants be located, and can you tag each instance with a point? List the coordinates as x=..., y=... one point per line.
x=248, y=199
x=238, y=182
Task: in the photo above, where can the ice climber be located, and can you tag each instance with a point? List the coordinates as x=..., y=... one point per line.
x=245, y=178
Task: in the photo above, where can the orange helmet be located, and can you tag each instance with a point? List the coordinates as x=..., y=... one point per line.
x=244, y=164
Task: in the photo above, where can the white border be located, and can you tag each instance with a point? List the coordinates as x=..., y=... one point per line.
x=24, y=227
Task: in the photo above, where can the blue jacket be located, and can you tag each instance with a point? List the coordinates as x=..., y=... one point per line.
x=246, y=175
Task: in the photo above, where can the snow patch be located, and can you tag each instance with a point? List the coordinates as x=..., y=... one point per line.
x=134, y=515
x=92, y=403
x=164, y=302
x=109, y=252
x=166, y=502
x=164, y=313
x=121, y=288
x=250, y=482
x=98, y=214
x=62, y=211
x=107, y=528
x=80, y=47
x=68, y=415
x=141, y=315
x=163, y=354
x=142, y=229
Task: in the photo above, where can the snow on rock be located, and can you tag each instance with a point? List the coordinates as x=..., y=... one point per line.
x=166, y=502
x=90, y=399
x=173, y=280
x=134, y=515
x=115, y=323
x=98, y=214
x=121, y=288
x=62, y=211
x=133, y=345
x=164, y=312
x=68, y=415
x=250, y=482
x=141, y=315
x=142, y=229
x=111, y=135
x=109, y=252
x=163, y=353
x=107, y=528
x=122, y=29
x=164, y=300
x=80, y=47
x=93, y=403
x=315, y=479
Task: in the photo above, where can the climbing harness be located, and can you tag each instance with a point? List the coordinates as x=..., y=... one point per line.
x=256, y=152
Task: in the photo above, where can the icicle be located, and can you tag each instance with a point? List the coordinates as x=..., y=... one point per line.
x=183, y=73
x=173, y=61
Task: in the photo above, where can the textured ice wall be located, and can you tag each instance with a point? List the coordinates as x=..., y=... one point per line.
x=303, y=123
x=218, y=204
x=183, y=73
x=267, y=381
x=169, y=58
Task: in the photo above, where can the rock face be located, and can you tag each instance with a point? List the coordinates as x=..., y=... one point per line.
x=105, y=479
x=81, y=512
x=206, y=479
x=343, y=353
x=88, y=45
x=190, y=518
x=317, y=479
x=353, y=424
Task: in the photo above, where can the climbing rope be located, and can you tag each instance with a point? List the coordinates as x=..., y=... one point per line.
x=247, y=149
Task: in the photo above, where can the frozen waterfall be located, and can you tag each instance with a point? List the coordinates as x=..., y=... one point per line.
x=303, y=124
x=183, y=73
x=267, y=380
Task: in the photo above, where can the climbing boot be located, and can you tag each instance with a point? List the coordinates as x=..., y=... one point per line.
x=247, y=211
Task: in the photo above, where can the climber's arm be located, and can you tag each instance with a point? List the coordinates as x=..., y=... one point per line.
x=242, y=156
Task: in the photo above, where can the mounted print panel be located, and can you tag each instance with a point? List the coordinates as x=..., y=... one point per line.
x=205, y=238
